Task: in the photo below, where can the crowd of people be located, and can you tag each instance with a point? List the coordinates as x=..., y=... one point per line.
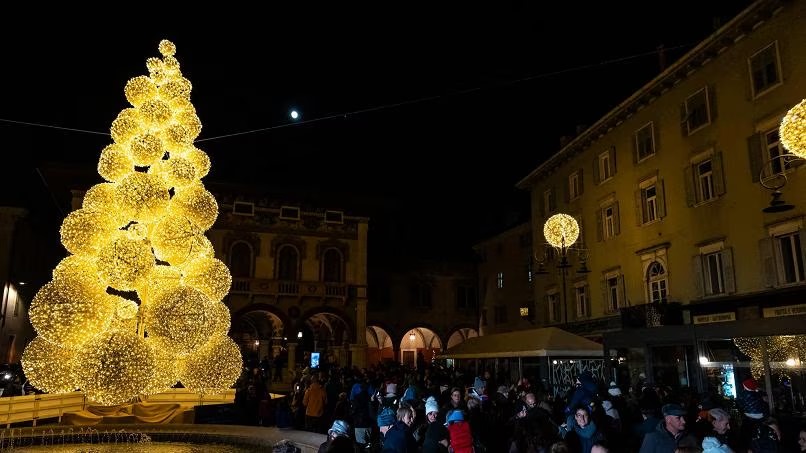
x=388, y=408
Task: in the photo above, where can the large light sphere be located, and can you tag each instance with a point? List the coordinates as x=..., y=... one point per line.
x=70, y=312
x=144, y=195
x=114, y=368
x=102, y=198
x=171, y=65
x=140, y=89
x=146, y=150
x=213, y=368
x=167, y=48
x=176, y=88
x=197, y=204
x=115, y=163
x=191, y=121
x=155, y=113
x=125, y=262
x=177, y=171
x=83, y=231
x=157, y=71
x=166, y=370
x=793, y=130
x=561, y=230
x=221, y=319
x=125, y=314
x=161, y=278
x=209, y=275
x=199, y=159
x=126, y=125
x=176, y=239
x=78, y=267
x=177, y=135
x=179, y=319
x=48, y=366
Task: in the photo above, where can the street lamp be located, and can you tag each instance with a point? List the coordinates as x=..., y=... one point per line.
x=561, y=232
x=792, y=135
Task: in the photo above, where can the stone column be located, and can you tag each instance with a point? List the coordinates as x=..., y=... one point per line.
x=359, y=355
x=292, y=360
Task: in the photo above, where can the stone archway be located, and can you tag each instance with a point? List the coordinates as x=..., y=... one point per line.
x=259, y=333
x=418, y=341
x=327, y=333
x=460, y=335
x=379, y=345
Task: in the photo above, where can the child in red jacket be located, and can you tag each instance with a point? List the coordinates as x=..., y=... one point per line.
x=459, y=432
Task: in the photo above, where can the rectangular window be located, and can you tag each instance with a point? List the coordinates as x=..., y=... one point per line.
x=657, y=290
x=776, y=152
x=714, y=273
x=243, y=208
x=649, y=201
x=609, y=222
x=289, y=213
x=791, y=258
x=765, y=69
x=697, y=111
x=583, y=304
x=574, y=187
x=645, y=142
x=549, y=202
x=605, y=169
x=499, y=280
x=649, y=198
x=553, y=302
x=334, y=217
x=705, y=180
x=612, y=287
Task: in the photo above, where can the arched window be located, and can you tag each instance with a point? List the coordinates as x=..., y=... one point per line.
x=240, y=260
x=287, y=263
x=656, y=282
x=331, y=266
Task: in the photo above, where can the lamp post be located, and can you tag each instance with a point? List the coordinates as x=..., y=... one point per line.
x=792, y=135
x=561, y=232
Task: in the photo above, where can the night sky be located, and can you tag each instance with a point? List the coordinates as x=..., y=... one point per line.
x=438, y=111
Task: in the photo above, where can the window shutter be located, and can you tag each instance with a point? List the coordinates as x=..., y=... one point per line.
x=754, y=152
x=616, y=219
x=661, y=199
x=719, y=175
x=683, y=120
x=553, y=199
x=581, y=179
x=727, y=271
x=605, y=296
x=801, y=238
x=655, y=137
x=567, y=191
x=767, y=259
x=596, y=176
x=613, y=160
x=697, y=275
x=599, y=226
x=622, y=292
x=639, y=207
x=711, y=89
x=688, y=179
x=635, y=156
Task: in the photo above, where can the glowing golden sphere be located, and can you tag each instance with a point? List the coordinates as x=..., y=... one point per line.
x=114, y=368
x=191, y=121
x=69, y=312
x=210, y=276
x=101, y=198
x=83, y=231
x=146, y=149
x=139, y=90
x=197, y=204
x=213, y=368
x=793, y=130
x=176, y=88
x=561, y=230
x=77, y=267
x=126, y=126
x=144, y=195
x=177, y=171
x=177, y=135
x=199, y=159
x=161, y=278
x=49, y=367
x=167, y=48
x=171, y=65
x=155, y=113
x=221, y=318
x=166, y=369
x=179, y=319
x=176, y=239
x=125, y=262
x=115, y=163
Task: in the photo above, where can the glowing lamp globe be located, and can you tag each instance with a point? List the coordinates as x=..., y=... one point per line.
x=793, y=130
x=561, y=230
x=180, y=319
x=48, y=366
x=214, y=367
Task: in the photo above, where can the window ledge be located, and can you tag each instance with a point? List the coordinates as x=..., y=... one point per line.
x=706, y=202
x=651, y=222
x=605, y=180
x=642, y=160
x=766, y=90
x=699, y=128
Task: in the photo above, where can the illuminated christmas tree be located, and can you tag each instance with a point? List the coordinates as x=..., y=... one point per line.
x=136, y=306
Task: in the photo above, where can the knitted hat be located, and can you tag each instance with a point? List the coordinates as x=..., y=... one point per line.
x=713, y=445
x=479, y=384
x=455, y=415
x=431, y=405
x=502, y=389
x=613, y=390
x=673, y=409
x=750, y=384
x=339, y=428
x=386, y=417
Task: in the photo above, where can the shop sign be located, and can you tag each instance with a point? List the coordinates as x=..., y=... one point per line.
x=790, y=310
x=715, y=317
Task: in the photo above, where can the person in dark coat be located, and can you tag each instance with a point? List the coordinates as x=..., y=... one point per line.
x=399, y=438
x=436, y=435
x=580, y=432
x=670, y=432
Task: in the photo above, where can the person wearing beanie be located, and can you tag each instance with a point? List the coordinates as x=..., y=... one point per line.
x=459, y=432
x=712, y=445
x=399, y=437
x=436, y=435
x=340, y=428
x=614, y=390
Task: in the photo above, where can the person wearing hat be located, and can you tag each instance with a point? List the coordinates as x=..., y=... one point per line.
x=670, y=432
x=399, y=438
x=579, y=431
x=340, y=428
x=436, y=435
x=459, y=432
x=385, y=421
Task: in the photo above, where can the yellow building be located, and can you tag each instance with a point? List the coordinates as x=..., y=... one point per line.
x=666, y=189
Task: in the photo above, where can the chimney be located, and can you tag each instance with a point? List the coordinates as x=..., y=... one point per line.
x=661, y=57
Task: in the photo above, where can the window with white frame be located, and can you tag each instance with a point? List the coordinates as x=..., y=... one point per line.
x=574, y=185
x=613, y=285
x=553, y=303
x=765, y=69
x=704, y=178
x=549, y=202
x=645, y=142
x=499, y=280
x=607, y=220
x=582, y=301
x=657, y=282
x=697, y=111
x=775, y=151
x=605, y=167
x=650, y=201
x=714, y=266
x=782, y=254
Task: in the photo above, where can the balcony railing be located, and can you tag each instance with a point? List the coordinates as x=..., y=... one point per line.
x=652, y=315
x=262, y=286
